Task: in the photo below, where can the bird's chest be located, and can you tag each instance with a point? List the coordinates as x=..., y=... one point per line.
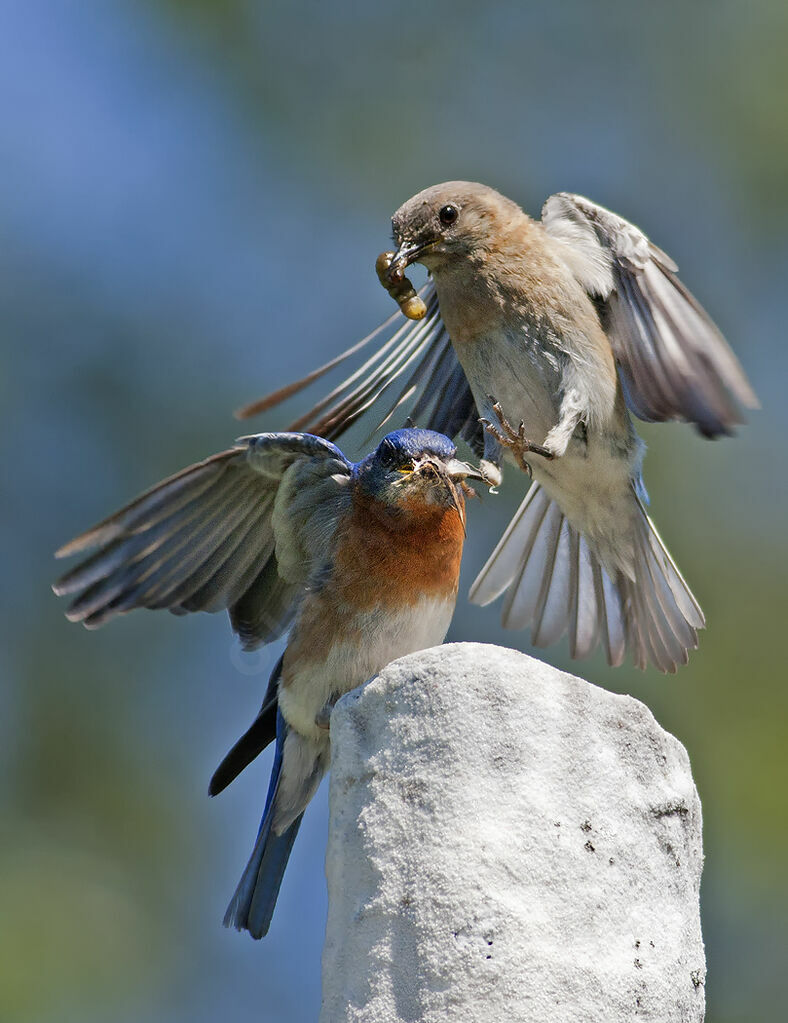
x=388, y=593
x=519, y=365
x=324, y=663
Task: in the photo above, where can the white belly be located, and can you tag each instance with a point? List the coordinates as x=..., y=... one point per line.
x=348, y=663
x=592, y=480
x=525, y=379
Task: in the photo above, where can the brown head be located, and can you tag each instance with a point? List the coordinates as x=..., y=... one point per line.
x=455, y=220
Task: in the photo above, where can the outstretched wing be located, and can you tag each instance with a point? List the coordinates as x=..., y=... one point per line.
x=673, y=361
x=417, y=354
x=205, y=539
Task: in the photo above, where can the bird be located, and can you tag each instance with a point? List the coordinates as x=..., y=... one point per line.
x=359, y=560
x=536, y=342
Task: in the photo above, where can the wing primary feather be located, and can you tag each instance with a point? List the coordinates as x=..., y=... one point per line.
x=277, y=397
x=232, y=568
x=448, y=408
x=127, y=560
x=117, y=523
x=574, y=581
x=260, y=734
x=343, y=415
x=430, y=369
x=673, y=361
x=732, y=373
x=205, y=588
x=398, y=340
x=145, y=583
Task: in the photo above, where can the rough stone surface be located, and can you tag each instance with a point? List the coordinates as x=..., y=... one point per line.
x=508, y=843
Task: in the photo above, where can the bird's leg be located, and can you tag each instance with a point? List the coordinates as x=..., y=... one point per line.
x=323, y=716
x=571, y=417
x=515, y=440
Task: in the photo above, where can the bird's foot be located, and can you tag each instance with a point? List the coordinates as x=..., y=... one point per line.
x=323, y=716
x=515, y=440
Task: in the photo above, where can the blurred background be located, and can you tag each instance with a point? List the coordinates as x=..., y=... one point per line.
x=192, y=197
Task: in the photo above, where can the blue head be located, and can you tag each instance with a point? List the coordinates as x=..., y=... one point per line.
x=412, y=468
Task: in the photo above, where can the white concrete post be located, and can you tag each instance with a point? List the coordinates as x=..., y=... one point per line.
x=508, y=844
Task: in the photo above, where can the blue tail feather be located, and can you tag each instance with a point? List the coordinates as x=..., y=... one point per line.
x=252, y=905
x=269, y=880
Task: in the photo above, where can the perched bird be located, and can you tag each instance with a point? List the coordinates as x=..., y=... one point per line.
x=363, y=559
x=548, y=335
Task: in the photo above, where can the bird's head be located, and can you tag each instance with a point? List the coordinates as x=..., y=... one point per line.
x=450, y=221
x=411, y=469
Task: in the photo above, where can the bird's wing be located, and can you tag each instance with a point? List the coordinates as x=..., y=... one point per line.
x=260, y=733
x=205, y=539
x=673, y=361
x=417, y=355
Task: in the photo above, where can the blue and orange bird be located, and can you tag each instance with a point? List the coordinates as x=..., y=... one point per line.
x=361, y=560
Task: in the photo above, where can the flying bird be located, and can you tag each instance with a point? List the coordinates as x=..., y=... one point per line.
x=535, y=343
x=361, y=560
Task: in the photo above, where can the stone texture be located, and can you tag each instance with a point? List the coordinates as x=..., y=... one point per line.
x=508, y=843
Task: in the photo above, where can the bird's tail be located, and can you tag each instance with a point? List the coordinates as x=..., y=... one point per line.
x=556, y=583
x=252, y=905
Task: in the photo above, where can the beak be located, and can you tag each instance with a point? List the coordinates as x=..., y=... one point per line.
x=459, y=471
x=404, y=256
x=453, y=474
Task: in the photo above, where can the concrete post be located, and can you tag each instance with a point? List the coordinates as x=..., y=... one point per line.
x=508, y=844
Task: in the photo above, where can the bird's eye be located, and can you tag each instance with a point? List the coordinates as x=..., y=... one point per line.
x=390, y=456
x=448, y=214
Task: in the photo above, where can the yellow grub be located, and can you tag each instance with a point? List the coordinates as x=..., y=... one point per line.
x=399, y=287
x=413, y=307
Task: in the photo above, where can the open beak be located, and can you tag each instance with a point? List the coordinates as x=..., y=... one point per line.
x=453, y=473
x=404, y=256
x=458, y=470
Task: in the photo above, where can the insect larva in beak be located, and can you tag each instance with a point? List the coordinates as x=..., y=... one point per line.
x=399, y=287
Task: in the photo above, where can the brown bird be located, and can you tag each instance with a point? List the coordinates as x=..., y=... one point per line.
x=538, y=341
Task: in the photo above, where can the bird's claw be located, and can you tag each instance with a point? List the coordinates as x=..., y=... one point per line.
x=515, y=440
x=323, y=716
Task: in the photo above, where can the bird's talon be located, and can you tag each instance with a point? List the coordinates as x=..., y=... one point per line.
x=323, y=716
x=514, y=440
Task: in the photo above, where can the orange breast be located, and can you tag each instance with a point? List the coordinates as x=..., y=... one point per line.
x=381, y=557
x=382, y=563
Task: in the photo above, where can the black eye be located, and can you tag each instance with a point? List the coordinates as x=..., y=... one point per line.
x=448, y=214
x=389, y=454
